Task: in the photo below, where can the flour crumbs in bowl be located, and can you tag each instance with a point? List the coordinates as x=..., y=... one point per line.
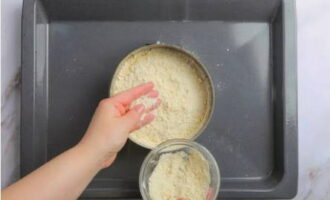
x=179, y=169
x=178, y=175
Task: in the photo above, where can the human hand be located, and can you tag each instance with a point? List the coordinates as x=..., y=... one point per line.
x=114, y=119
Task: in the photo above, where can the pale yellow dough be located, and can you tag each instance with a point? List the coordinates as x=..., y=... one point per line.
x=180, y=175
x=185, y=96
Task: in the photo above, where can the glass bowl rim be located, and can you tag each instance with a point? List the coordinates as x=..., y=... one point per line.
x=196, y=146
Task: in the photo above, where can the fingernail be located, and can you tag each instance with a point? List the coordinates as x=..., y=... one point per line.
x=139, y=108
x=153, y=94
x=157, y=103
x=148, y=83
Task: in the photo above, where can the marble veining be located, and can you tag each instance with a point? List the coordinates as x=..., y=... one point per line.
x=10, y=90
x=10, y=126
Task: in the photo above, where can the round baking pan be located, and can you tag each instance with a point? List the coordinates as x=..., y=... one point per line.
x=199, y=66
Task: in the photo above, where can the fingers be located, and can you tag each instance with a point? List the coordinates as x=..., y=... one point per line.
x=153, y=94
x=127, y=97
x=209, y=194
x=154, y=106
x=132, y=117
x=137, y=118
x=147, y=119
x=121, y=110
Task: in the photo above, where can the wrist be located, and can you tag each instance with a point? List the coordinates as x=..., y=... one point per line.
x=92, y=154
x=101, y=156
x=110, y=159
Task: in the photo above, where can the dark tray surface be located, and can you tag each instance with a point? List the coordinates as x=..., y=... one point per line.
x=248, y=133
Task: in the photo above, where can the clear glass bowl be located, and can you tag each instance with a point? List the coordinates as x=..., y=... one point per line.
x=172, y=146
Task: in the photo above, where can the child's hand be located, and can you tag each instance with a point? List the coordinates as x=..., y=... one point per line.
x=71, y=171
x=114, y=119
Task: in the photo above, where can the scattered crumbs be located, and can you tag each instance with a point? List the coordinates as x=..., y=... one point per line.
x=220, y=65
x=220, y=86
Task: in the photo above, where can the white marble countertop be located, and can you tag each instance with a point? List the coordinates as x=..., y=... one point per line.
x=313, y=94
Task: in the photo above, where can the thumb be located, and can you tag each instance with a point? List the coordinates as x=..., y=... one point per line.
x=133, y=117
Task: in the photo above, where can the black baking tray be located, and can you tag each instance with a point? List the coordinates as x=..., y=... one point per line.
x=70, y=50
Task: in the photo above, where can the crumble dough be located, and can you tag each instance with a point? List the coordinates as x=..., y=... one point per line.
x=181, y=85
x=180, y=175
